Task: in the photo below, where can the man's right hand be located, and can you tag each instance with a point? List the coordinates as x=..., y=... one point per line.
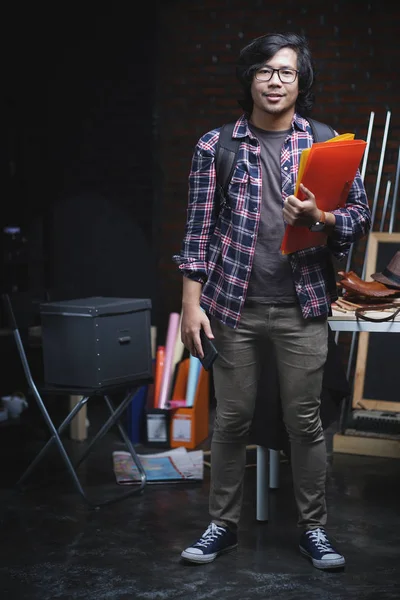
x=193, y=320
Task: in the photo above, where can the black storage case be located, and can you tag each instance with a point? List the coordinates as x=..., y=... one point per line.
x=96, y=342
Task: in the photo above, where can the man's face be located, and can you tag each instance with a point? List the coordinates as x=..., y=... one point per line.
x=274, y=97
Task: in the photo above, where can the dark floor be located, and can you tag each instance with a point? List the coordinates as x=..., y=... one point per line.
x=54, y=547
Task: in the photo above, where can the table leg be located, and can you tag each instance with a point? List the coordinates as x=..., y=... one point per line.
x=262, y=484
x=274, y=461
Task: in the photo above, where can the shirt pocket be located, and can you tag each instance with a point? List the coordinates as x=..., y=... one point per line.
x=238, y=189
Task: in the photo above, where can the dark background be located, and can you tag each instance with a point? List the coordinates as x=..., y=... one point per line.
x=102, y=108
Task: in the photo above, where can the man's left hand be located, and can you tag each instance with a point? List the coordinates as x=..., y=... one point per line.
x=301, y=212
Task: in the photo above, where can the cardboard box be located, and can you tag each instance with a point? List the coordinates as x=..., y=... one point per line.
x=189, y=426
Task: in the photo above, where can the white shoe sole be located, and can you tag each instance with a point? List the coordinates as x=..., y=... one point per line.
x=324, y=564
x=205, y=558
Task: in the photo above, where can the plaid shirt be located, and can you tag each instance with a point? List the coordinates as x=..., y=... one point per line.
x=219, y=240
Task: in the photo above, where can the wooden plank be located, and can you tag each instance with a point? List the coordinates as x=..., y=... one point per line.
x=365, y=342
x=78, y=427
x=367, y=446
x=359, y=374
x=384, y=405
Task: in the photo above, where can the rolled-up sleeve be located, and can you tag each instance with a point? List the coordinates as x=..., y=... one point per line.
x=192, y=260
x=353, y=221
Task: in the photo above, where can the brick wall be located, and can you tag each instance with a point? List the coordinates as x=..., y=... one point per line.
x=357, y=55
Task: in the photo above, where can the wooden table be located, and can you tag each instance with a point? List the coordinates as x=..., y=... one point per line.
x=347, y=322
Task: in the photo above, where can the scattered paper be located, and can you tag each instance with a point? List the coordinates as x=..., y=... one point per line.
x=172, y=465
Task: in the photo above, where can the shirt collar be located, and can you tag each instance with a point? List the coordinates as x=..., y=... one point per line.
x=242, y=129
x=299, y=122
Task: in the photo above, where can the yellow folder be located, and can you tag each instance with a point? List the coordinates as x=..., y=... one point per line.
x=305, y=154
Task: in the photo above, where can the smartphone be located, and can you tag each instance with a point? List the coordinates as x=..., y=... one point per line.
x=209, y=350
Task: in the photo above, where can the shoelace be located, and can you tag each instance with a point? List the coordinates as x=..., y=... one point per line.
x=211, y=534
x=319, y=538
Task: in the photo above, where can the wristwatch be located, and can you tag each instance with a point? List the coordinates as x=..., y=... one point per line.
x=320, y=224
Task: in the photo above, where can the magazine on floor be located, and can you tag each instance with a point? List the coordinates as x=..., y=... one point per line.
x=172, y=465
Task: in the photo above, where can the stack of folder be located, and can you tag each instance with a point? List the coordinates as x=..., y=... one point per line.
x=169, y=359
x=328, y=170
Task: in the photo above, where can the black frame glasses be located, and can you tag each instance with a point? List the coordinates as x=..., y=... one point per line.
x=290, y=77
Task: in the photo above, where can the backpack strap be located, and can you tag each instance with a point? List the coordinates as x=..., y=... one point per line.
x=321, y=131
x=225, y=158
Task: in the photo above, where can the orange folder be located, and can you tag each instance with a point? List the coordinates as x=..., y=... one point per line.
x=328, y=171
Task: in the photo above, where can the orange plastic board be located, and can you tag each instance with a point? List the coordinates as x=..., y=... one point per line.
x=160, y=358
x=328, y=173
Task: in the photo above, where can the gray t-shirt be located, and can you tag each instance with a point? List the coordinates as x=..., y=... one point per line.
x=271, y=279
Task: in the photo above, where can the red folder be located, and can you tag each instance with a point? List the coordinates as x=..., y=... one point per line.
x=329, y=174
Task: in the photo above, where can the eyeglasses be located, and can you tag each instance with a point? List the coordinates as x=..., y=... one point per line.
x=285, y=75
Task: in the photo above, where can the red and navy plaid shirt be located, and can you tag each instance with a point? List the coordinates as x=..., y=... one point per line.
x=219, y=240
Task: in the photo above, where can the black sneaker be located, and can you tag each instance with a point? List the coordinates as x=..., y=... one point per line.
x=314, y=543
x=213, y=542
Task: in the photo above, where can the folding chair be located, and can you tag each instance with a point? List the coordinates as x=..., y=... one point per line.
x=114, y=419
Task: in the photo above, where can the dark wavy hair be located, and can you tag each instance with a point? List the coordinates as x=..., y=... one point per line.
x=254, y=55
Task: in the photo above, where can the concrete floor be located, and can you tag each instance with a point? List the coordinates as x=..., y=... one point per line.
x=52, y=546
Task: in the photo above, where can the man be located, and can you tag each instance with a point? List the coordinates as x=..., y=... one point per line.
x=241, y=290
